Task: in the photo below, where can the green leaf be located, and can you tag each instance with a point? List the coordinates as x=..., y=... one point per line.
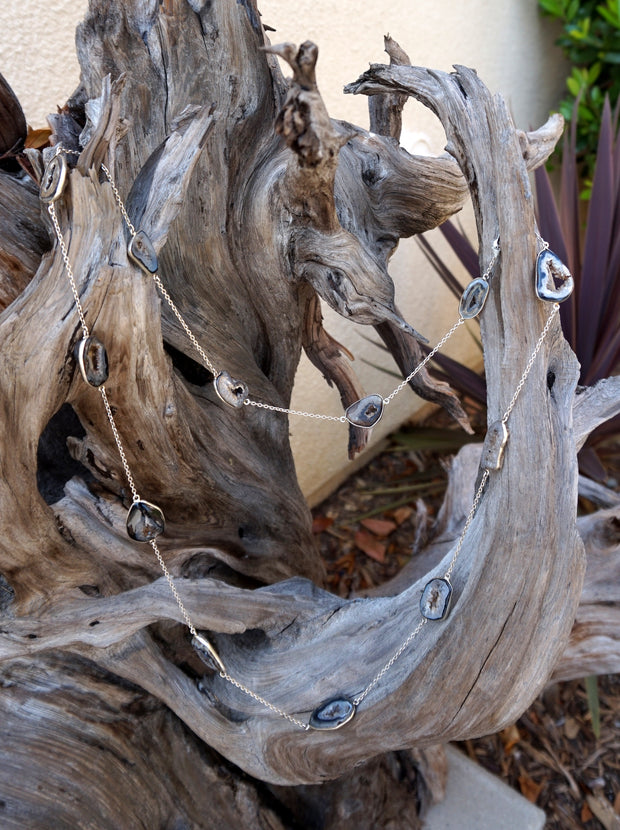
x=594, y=72
x=611, y=57
x=611, y=13
x=554, y=7
x=594, y=704
x=574, y=87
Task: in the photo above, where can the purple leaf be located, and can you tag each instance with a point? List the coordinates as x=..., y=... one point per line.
x=462, y=247
x=593, y=287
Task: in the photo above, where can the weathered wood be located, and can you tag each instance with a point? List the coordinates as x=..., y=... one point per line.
x=250, y=227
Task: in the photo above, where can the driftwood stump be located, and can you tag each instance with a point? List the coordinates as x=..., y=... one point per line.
x=258, y=204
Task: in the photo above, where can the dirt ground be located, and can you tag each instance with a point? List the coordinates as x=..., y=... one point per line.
x=367, y=530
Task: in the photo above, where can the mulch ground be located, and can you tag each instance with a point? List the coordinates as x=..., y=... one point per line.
x=367, y=530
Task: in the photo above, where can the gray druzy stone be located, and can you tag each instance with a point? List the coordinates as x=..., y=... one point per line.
x=554, y=282
x=231, y=391
x=366, y=412
x=473, y=298
x=142, y=252
x=435, y=600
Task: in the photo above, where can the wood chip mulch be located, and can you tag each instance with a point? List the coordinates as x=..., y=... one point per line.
x=366, y=531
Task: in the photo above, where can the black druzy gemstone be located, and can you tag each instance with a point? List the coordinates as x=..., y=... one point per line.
x=92, y=359
x=145, y=521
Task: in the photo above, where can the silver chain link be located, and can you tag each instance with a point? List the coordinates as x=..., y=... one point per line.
x=530, y=363
x=468, y=521
x=357, y=700
x=51, y=208
x=264, y=702
x=119, y=201
x=421, y=365
x=173, y=587
x=259, y=405
x=186, y=328
x=119, y=444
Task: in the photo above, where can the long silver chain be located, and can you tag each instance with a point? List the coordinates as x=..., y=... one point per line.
x=221, y=669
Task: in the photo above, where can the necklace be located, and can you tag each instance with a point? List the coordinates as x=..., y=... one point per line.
x=145, y=521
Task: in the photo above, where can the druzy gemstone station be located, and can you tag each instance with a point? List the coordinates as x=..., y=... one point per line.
x=365, y=412
x=435, y=600
x=231, y=391
x=333, y=714
x=473, y=298
x=92, y=360
x=145, y=521
x=554, y=282
x=142, y=252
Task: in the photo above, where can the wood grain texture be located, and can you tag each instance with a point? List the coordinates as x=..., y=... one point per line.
x=180, y=101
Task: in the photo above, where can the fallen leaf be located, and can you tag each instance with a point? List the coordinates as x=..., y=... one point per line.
x=36, y=139
x=617, y=803
x=603, y=811
x=586, y=812
x=510, y=738
x=380, y=527
x=370, y=545
x=571, y=728
x=401, y=514
x=346, y=562
x=529, y=788
x=321, y=523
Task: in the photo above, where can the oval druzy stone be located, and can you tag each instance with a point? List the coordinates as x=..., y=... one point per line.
x=435, y=599
x=231, y=391
x=333, y=714
x=54, y=179
x=473, y=298
x=145, y=521
x=554, y=282
x=92, y=359
x=142, y=252
x=366, y=412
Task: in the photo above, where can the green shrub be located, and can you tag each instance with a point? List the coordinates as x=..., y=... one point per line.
x=590, y=41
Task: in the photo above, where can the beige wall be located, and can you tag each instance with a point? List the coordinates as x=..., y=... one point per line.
x=505, y=40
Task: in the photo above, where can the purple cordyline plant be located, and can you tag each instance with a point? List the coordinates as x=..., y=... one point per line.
x=590, y=248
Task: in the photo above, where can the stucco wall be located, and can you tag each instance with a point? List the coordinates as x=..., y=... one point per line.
x=508, y=43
